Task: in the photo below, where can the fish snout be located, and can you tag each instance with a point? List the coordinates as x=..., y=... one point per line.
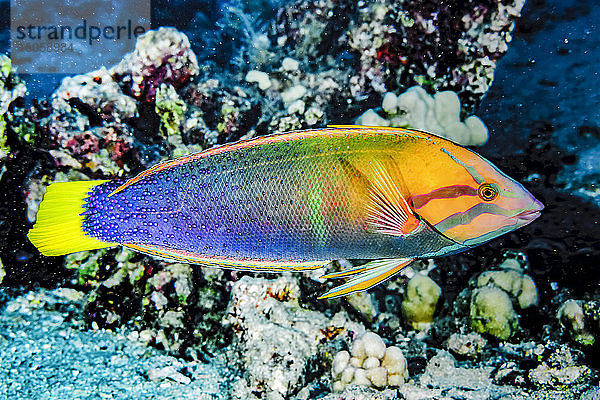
x=532, y=212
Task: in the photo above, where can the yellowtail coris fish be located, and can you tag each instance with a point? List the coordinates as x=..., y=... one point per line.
x=296, y=201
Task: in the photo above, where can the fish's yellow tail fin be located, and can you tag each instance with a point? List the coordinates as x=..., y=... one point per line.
x=58, y=229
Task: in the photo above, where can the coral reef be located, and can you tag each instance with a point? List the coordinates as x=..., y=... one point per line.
x=171, y=109
x=369, y=363
x=277, y=339
x=573, y=318
x=467, y=345
x=492, y=313
x=88, y=123
x=2, y=272
x=172, y=306
x=559, y=369
x=436, y=45
x=161, y=56
x=11, y=88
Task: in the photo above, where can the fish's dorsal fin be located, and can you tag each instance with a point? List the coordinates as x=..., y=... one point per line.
x=390, y=130
x=388, y=211
x=367, y=276
x=330, y=131
x=182, y=256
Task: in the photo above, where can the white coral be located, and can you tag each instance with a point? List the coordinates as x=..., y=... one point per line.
x=369, y=363
x=438, y=114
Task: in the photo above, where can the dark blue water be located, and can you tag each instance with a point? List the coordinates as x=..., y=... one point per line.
x=550, y=73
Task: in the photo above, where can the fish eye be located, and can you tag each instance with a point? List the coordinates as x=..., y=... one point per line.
x=487, y=192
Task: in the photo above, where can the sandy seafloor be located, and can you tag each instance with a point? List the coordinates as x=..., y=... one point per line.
x=47, y=351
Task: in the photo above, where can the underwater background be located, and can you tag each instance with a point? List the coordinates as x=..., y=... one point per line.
x=515, y=318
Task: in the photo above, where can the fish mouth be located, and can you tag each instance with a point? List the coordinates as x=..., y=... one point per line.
x=531, y=213
x=528, y=215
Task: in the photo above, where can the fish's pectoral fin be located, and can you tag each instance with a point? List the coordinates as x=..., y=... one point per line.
x=367, y=276
x=388, y=211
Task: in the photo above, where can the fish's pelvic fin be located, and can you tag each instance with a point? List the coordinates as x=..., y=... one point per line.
x=367, y=276
x=346, y=272
x=182, y=256
x=388, y=211
x=58, y=228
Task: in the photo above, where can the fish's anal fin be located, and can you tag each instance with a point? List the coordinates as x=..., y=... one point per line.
x=388, y=211
x=182, y=256
x=367, y=276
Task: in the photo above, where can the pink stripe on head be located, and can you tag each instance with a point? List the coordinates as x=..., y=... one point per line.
x=446, y=192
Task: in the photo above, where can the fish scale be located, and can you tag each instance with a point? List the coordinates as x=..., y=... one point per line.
x=282, y=201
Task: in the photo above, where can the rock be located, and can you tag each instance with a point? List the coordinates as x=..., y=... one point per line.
x=313, y=115
x=293, y=93
x=11, y=88
x=371, y=118
x=572, y=318
x=420, y=301
x=468, y=345
x=259, y=77
x=558, y=370
x=492, y=312
x=97, y=89
x=160, y=56
x=276, y=338
x=289, y=64
x=159, y=374
x=441, y=372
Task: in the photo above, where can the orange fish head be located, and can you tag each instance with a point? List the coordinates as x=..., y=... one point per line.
x=470, y=201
